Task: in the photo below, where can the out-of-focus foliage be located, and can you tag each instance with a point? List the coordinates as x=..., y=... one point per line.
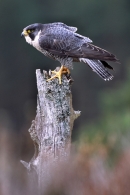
x=115, y=108
x=113, y=128
x=86, y=171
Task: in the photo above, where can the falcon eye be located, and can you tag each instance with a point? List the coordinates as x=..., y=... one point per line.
x=30, y=31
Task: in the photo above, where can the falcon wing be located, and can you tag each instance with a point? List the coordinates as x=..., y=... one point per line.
x=91, y=51
x=59, y=41
x=60, y=24
x=63, y=43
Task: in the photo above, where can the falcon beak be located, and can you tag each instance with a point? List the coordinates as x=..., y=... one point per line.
x=24, y=33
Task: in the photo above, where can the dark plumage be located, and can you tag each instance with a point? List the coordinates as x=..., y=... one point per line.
x=61, y=42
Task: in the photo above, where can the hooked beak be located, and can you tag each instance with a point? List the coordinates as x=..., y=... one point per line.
x=24, y=33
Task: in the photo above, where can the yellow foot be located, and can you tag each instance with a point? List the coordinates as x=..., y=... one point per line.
x=63, y=70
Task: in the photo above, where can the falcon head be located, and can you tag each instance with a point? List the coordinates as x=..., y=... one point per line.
x=31, y=33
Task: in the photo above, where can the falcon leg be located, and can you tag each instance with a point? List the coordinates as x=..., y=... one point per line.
x=58, y=74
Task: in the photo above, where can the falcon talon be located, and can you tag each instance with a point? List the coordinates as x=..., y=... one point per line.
x=61, y=42
x=58, y=74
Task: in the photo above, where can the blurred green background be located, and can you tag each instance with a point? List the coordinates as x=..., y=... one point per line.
x=105, y=105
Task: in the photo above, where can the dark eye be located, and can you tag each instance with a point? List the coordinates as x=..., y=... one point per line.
x=30, y=30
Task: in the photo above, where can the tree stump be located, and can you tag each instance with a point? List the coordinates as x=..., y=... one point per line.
x=52, y=128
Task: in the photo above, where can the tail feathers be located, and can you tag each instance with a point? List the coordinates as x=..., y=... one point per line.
x=106, y=64
x=99, y=67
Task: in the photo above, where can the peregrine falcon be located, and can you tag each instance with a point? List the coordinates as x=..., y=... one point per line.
x=61, y=42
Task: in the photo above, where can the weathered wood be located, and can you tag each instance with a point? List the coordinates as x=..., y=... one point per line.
x=51, y=130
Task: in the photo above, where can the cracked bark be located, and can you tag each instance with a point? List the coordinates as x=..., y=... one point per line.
x=52, y=128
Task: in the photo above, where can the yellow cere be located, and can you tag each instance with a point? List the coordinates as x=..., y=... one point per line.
x=28, y=31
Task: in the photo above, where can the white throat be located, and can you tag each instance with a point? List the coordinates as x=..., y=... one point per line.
x=35, y=42
x=28, y=39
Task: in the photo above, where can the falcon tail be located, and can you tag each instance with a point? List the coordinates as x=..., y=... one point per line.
x=99, y=67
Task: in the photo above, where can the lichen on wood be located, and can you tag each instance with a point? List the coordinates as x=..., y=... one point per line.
x=52, y=128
